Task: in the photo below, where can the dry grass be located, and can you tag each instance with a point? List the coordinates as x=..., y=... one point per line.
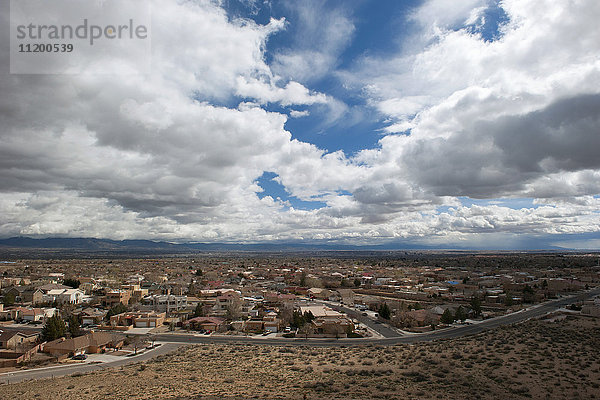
x=537, y=359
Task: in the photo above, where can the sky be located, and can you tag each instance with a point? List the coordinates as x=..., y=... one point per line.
x=437, y=123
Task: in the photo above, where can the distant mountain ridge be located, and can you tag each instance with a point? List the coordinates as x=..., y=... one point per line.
x=83, y=243
x=139, y=245
x=93, y=244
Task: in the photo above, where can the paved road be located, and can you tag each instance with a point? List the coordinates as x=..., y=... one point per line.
x=62, y=370
x=381, y=328
x=449, y=333
x=175, y=340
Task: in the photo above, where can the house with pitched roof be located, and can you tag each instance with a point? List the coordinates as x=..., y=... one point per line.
x=94, y=342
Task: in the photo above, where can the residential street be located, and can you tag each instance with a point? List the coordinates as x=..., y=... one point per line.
x=172, y=341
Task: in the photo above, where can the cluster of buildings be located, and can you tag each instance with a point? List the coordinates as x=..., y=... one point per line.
x=237, y=295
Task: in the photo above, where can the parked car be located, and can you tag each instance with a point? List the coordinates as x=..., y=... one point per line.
x=79, y=357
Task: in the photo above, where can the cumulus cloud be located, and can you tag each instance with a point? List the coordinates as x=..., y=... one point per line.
x=162, y=156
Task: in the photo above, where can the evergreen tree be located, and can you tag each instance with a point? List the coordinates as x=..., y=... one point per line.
x=8, y=299
x=303, y=278
x=528, y=294
x=55, y=328
x=308, y=316
x=199, y=311
x=384, y=311
x=447, y=317
x=460, y=314
x=74, y=326
x=297, y=320
x=74, y=283
x=476, y=306
x=118, y=309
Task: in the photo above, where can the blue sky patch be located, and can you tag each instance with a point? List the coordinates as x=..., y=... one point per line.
x=277, y=191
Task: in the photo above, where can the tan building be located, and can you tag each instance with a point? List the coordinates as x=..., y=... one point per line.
x=91, y=343
x=114, y=297
x=328, y=322
x=24, y=294
x=214, y=324
x=149, y=319
x=15, y=340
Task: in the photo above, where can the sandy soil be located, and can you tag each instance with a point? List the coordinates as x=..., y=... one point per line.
x=536, y=359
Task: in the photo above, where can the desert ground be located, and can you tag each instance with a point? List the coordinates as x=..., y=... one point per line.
x=542, y=359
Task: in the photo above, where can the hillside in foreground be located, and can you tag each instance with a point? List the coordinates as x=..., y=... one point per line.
x=542, y=359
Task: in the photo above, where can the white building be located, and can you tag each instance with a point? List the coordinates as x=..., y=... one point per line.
x=64, y=296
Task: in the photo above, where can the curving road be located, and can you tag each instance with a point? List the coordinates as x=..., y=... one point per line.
x=449, y=333
x=172, y=341
x=62, y=370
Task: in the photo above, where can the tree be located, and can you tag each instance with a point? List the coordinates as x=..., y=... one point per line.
x=192, y=288
x=447, y=317
x=303, y=278
x=357, y=282
x=528, y=294
x=199, y=311
x=308, y=316
x=460, y=314
x=74, y=326
x=198, y=272
x=55, y=328
x=297, y=320
x=305, y=330
x=8, y=299
x=74, y=283
x=118, y=309
x=476, y=306
x=137, y=342
x=384, y=311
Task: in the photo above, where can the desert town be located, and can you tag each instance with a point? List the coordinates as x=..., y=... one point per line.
x=62, y=310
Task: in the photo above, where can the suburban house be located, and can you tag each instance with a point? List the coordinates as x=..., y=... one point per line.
x=94, y=342
x=17, y=346
x=64, y=296
x=226, y=302
x=92, y=316
x=214, y=324
x=327, y=322
x=114, y=297
x=166, y=302
x=27, y=313
x=16, y=339
x=319, y=293
x=136, y=292
x=150, y=319
x=33, y=314
x=271, y=323
x=26, y=294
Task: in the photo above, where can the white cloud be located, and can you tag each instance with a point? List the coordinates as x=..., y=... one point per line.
x=322, y=34
x=299, y=114
x=157, y=157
